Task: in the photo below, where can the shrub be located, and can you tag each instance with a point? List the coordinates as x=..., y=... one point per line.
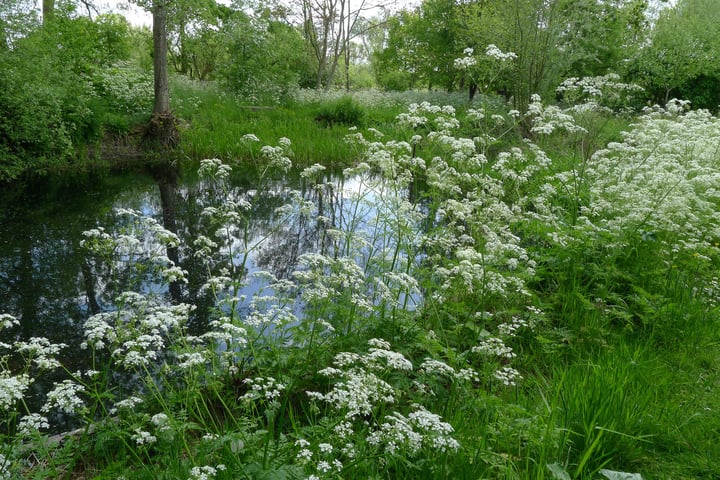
x=344, y=111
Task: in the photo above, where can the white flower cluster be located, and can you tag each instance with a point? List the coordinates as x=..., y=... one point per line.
x=425, y=114
x=205, y=472
x=662, y=178
x=400, y=434
x=324, y=277
x=214, y=168
x=547, y=119
x=141, y=437
x=359, y=389
x=278, y=157
x=12, y=389
x=5, y=464
x=138, y=332
x=191, y=359
x=8, y=321
x=494, y=52
x=41, y=351
x=508, y=376
x=437, y=367
x=126, y=404
x=139, y=239
x=312, y=171
x=606, y=90
x=131, y=87
x=494, y=346
x=266, y=388
x=32, y=423
x=64, y=397
x=228, y=336
x=329, y=462
x=97, y=240
x=466, y=62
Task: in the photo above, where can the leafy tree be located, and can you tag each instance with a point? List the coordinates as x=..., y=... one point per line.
x=18, y=18
x=194, y=28
x=597, y=37
x=263, y=61
x=48, y=104
x=420, y=47
x=396, y=64
x=328, y=27
x=681, y=57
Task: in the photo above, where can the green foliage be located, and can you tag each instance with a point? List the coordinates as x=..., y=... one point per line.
x=680, y=58
x=604, y=407
x=49, y=105
x=266, y=60
x=344, y=111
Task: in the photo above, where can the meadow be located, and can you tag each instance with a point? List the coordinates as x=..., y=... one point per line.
x=499, y=296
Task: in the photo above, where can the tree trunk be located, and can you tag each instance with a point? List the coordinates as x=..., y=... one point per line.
x=162, y=90
x=48, y=9
x=89, y=282
x=162, y=130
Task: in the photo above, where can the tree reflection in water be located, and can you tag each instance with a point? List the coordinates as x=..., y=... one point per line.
x=53, y=286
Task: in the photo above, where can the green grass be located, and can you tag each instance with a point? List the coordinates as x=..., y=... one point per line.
x=214, y=123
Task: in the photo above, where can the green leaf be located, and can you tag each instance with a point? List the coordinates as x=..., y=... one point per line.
x=558, y=472
x=613, y=475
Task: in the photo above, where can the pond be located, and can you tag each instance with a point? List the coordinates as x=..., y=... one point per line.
x=52, y=285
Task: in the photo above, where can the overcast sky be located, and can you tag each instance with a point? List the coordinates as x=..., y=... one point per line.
x=138, y=16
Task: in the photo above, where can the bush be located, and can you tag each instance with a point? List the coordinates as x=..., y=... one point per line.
x=344, y=111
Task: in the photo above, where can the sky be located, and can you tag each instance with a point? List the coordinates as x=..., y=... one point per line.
x=138, y=16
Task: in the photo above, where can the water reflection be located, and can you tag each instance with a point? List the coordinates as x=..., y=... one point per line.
x=52, y=285
x=44, y=278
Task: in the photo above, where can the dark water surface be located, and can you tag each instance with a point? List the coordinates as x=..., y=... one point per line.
x=51, y=284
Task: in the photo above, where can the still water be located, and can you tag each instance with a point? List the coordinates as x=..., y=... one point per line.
x=51, y=284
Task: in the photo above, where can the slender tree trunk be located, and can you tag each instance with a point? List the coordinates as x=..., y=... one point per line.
x=48, y=9
x=162, y=89
x=347, y=49
x=162, y=130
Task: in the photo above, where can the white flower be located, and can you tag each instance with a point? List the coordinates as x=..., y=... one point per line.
x=142, y=437
x=312, y=170
x=64, y=397
x=494, y=52
x=30, y=424
x=127, y=404
x=205, y=472
x=494, y=346
x=189, y=360
x=262, y=387
x=41, y=351
x=7, y=321
x=159, y=419
x=508, y=376
x=214, y=168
